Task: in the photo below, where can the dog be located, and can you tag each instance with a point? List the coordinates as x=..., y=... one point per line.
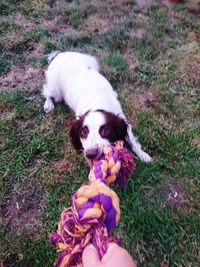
x=75, y=78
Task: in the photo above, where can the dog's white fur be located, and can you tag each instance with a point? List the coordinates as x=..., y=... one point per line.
x=75, y=78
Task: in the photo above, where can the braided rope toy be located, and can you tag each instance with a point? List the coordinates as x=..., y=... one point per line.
x=115, y=165
x=95, y=208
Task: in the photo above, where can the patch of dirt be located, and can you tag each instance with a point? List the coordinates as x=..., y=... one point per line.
x=20, y=211
x=34, y=50
x=51, y=25
x=137, y=33
x=23, y=22
x=190, y=67
x=98, y=21
x=12, y=38
x=60, y=26
x=27, y=79
x=175, y=196
x=193, y=6
x=6, y=114
x=34, y=161
x=193, y=37
x=96, y=24
x=131, y=59
x=144, y=98
x=169, y=122
x=39, y=5
x=137, y=98
x=142, y=3
x=189, y=62
x=168, y=5
x=196, y=142
x=62, y=166
x=164, y=264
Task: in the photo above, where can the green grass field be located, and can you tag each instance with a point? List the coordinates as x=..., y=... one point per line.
x=151, y=55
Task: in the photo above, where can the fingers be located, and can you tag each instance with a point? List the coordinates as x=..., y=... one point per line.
x=90, y=257
x=112, y=248
x=117, y=256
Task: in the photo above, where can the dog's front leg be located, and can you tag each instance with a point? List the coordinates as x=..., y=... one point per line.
x=136, y=146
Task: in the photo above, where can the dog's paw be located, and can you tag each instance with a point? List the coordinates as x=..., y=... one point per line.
x=145, y=157
x=48, y=106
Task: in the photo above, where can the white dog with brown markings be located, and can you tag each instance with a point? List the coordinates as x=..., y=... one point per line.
x=75, y=78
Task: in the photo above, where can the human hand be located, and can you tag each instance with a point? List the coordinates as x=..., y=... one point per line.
x=115, y=256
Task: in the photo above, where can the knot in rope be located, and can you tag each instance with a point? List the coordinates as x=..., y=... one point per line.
x=94, y=212
x=115, y=165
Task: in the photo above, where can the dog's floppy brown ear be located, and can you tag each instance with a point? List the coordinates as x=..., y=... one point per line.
x=120, y=128
x=75, y=126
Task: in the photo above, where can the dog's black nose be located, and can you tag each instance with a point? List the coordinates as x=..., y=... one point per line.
x=92, y=153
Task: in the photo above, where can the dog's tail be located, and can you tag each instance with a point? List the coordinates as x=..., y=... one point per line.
x=52, y=55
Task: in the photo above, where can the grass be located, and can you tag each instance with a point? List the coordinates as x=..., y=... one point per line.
x=4, y=65
x=152, y=60
x=116, y=61
x=5, y=9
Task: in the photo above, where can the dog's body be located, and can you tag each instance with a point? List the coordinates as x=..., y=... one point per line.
x=75, y=78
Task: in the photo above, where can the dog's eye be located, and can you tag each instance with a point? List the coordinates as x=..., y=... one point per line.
x=104, y=131
x=84, y=132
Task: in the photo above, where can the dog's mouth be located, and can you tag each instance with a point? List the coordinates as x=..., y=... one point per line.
x=93, y=154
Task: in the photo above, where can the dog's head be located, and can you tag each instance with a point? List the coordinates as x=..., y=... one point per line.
x=92, y=131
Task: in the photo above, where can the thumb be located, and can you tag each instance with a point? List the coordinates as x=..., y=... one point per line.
x=90, y=257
